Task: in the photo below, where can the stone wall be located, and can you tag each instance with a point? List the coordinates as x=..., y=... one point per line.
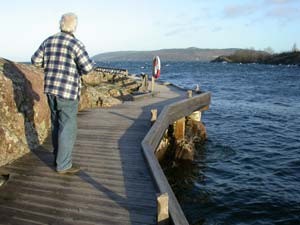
x=25, y=118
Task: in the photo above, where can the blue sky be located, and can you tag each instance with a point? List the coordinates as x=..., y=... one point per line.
x=114, y=25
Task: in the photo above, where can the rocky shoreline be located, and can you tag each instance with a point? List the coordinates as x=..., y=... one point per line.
x=25, y=118
x=248, y=56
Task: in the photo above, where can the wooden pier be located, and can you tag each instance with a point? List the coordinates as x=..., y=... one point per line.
x=118, y=183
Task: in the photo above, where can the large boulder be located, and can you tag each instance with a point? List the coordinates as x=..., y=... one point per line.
x=24, y=120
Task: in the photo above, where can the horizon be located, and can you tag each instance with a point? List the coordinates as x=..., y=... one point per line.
x=134, y=25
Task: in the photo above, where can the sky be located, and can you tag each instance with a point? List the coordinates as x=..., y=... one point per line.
x=121, y=25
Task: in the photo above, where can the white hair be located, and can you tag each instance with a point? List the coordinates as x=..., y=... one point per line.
x=68, y=22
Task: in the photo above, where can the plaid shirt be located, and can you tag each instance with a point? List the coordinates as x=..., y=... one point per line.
x=64, y=60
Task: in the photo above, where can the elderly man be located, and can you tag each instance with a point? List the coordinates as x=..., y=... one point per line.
x=64, y=60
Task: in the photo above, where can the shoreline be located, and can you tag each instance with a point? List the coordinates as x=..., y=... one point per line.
x=249, y=56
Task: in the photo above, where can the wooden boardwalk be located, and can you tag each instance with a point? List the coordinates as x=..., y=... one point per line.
x=114, y=186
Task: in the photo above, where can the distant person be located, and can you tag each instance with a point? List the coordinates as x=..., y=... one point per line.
x=64, y=60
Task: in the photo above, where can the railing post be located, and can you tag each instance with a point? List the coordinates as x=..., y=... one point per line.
x=163, y=209
x=189, y=93
x=144, y=86
x=153, y=116
x=197, y=90
x=152, y=84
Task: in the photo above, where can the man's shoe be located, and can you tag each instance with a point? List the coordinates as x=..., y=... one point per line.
x=72, y=170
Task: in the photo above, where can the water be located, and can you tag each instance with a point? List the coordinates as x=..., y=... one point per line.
x=248, y=171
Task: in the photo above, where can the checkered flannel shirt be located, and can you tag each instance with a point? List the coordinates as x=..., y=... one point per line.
x=64, y=60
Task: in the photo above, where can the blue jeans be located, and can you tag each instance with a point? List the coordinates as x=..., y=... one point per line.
x=64, y=129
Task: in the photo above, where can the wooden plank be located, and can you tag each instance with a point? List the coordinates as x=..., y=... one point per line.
x=131, y=199
x=97, y=174
x=82, y=207
x=114, y=185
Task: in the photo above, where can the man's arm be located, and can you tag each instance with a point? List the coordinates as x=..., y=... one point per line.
x=83, y=61
x=38, y=57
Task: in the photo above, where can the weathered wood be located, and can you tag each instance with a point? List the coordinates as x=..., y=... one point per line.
x=175, y=211
x=144, y=86
x=195, y=116
x=174, y=112
x=179, y=129
x=163, y=209
x=153, y=115
x=152, y=83
x=131, y=199
x=189, y=93
x=205, y=108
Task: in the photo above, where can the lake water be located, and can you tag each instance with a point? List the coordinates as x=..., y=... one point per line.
x=248, y=171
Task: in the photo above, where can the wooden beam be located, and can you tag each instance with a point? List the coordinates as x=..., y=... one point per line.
x=180, y=129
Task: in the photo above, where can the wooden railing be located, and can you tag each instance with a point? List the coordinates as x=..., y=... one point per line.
x=169, y=115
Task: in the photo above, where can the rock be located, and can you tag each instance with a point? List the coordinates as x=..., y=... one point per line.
x=94, y=97
x=222, y=59
x=197, y=131
x=102, y=89
x=24, y=120
x=184, y=150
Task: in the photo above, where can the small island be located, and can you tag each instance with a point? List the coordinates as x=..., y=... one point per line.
x=261, y=57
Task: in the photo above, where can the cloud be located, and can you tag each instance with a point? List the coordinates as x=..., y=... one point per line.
x=233, y=11
x=284, y=13
x=282, y=10
x=281, y=1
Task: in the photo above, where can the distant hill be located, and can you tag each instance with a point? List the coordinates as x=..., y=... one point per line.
x=186, y=54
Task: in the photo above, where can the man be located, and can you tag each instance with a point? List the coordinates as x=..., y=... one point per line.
x=64, y=60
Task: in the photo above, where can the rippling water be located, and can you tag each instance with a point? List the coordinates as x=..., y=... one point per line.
x=248, y=171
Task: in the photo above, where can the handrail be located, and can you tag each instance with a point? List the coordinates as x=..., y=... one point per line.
x=169, y=115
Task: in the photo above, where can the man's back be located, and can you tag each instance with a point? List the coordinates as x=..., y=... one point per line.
x=64, y=59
